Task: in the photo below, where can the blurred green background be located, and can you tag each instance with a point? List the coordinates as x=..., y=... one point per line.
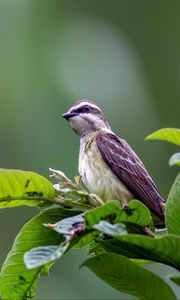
x=123, y=54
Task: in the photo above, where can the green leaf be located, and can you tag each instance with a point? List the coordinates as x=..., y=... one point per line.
x=175, y=279
x=106, y=211
x=40, y=256
x=164, y=249
x=24, y=188
x=16, y=282
x=175, y=160
x=171, y=135
x=83, y=240
x=172, y=211
x=136, y=213
x=96, y=249
x=127, y=277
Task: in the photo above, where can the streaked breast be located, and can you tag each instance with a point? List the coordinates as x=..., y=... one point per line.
x=97, y=176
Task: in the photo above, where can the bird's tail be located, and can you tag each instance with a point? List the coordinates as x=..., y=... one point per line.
x=158, y=217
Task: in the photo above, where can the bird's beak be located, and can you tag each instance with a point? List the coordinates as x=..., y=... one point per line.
x=69, y=115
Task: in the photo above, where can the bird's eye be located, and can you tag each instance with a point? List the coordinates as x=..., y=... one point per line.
x=86, y=109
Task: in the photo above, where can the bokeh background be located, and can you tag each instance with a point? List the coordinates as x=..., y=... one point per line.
x=125, y=55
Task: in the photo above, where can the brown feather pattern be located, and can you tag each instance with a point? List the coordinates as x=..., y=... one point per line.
x=127, y=166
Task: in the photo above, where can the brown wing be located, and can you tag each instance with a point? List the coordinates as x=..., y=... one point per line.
x=126, y=165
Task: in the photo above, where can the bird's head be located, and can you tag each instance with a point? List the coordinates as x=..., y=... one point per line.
x=85, y=117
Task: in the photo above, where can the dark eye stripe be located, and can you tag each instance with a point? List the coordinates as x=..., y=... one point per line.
x=82, y=109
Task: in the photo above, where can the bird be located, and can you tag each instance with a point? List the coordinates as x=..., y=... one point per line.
x=107, y=164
